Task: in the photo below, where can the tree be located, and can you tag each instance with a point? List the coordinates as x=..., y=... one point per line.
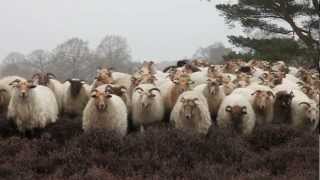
x=16, y=64
x=213, y=53
x=286, y=17
x=39, y=59
x=71, y=57
x=114, y=51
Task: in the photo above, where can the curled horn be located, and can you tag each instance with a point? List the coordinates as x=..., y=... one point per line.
x=38, y=75
x=228, y=109
x=51, y=75
x=305, y=103
x=15, y=81
x=108, y=88
x=154, y=89
x=139, y=88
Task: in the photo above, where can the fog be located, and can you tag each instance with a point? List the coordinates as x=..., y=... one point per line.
x=157, y=30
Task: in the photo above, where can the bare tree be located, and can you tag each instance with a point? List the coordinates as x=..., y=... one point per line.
x=114, y=51
x=70, y=57
x=16, y=64
x=39, y=59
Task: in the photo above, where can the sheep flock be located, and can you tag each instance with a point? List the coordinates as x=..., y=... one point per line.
x=235, y=100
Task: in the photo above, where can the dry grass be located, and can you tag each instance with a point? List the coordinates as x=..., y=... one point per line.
x=62, y=151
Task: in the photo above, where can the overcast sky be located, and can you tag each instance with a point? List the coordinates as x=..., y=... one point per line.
x=155, y=29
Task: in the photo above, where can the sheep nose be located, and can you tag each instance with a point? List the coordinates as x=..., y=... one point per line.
x=101, y=107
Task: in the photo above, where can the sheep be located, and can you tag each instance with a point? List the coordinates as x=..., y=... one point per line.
x=282, y=107
x=75, y=96
x=32, y=106
x=148, y=105
x=214, y=93
x=172, y=89
x=228, y=87
x=237, y=113
x=191, y=112
x=48, y=79
x=305, y=112
x=105, y=111
x=6, y=91
x=120, y=91
x=104, y=76
x=242, y=80
x=262, y=104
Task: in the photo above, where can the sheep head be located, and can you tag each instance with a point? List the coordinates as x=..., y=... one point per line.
x=116, y=89
x=284, y=99
x=100, y=99
x=213, y=71
x=236, y=113
x=147, y=78
x=311, y=113
x=262, y=99
x=243, y=80
x=214, y=85
x=42, y=78
x=23, y=87
x=148, y=68
x=228, y=87
x=147, y=97
x=189, y=107
x=182, y=83
x=75, y=86
x=104, y=75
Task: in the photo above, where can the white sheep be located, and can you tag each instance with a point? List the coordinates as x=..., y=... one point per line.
x=105, y=111
x=48, y=79
x=304, y=112
x=214, y=93
x=75, y=96
x=32, y=106
x=147, y=106
x=6, y=91
x=191, y=112
x=263, y=105
x=236, y=112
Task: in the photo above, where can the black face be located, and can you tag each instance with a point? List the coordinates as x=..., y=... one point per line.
x=284, y=99
x=75, y=87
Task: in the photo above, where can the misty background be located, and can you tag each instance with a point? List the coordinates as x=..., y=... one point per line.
x=155, y=30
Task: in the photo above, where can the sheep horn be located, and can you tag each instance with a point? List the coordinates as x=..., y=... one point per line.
x=305, y=103
x=38, y=75
x=51, y=75
x=15, y=81
x=154, y=89
x=228, y=109
x=139, y=88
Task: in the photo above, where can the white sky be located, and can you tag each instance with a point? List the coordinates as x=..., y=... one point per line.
x=155, y=29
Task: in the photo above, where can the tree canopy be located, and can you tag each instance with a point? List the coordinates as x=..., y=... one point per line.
x=288, y=18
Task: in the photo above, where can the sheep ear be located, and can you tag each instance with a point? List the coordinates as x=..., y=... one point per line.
x=244, y=110
x=31, y=86
x=3, y=90
x=94, y=93
x=108, y=96
x=228, y=109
